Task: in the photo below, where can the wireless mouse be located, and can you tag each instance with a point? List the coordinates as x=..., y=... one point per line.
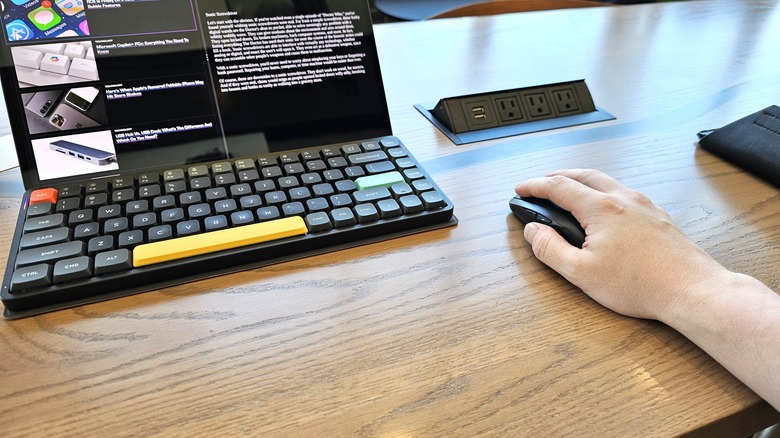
x=547, y=212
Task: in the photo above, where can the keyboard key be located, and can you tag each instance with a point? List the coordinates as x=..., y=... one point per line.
x=44, y=222
x=371, y=195
x=112, y=261
x=46, y=237
x=410, y=204
x=433, y=200
x=31, y=276
x=205, y=243
x=130, y=239
x=380, y=167
x=318, y=221
x=50, y=253
x=366, y=213
x=99, y=244
x=380, y=180
x=40, y=209
x=44, y=195
x=72, y=269
x=160, y=232
x=343, y=217
x=388, y=208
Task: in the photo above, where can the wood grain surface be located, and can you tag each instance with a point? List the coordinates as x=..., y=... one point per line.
x=459, y=331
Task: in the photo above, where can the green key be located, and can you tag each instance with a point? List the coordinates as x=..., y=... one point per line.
x=379, y=180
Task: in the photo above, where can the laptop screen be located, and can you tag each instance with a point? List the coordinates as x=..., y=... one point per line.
x=102, y=87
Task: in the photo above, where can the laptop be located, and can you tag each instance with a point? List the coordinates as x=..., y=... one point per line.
x=172, y=140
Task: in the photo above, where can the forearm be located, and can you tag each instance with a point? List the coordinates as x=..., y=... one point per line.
x=736, y=320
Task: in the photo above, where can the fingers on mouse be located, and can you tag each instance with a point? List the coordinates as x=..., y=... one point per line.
x=544, y=211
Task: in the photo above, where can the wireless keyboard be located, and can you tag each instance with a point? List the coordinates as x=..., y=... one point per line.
x=111, y=237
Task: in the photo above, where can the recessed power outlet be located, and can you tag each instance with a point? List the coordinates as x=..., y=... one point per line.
x=513, y=107
x=565, y=100
x=508, y=108
x=538, y=104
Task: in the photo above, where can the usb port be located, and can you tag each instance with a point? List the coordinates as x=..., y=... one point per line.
x=480, y=116
x=478, y=109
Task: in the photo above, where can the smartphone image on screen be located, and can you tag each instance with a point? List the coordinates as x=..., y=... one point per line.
x=82, y=98
x=64, y=117
x=43, y=102
x=81, y=152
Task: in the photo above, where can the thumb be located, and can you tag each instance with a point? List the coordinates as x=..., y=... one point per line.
x=549, y=246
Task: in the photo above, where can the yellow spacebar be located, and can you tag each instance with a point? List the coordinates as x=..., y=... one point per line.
x=212, y=241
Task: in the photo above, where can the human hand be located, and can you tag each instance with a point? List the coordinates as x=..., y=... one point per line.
x=635, y=261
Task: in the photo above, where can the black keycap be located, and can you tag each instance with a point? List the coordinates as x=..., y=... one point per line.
x=72, y=269
x=238, y=218
x=250, y=202
x=293, y=209
x=130, y=239
x=380, y=167
x=44, y=222
x=99, y=244
x=433, y=200
x=160, y=232
x=317, y=204
x=80, y=217
x=367, y=157
x=198, y=211
x=86, y=231
x=123, y=195
x=388, y=208
x=45, y=237
x=318, y=222
x=213, y=223
x=50, y=253
x=67, y=205
x=371, y=195
x=144, y=220
x=201, y=182
x=171, y=215
x=410, y=204
x=268, y=213
x=112, y=261
x=31, y=276
x=108, y=212
x=134, y=207
x=40, y=209
x=225, y=206
x=190, y=198
x=116, y=225
x=366, y=213
x=343, y=217
x=341, y=200
x=186, y=228
x=95, y=200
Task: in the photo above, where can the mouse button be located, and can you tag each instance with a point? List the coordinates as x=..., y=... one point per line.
x=543, y=219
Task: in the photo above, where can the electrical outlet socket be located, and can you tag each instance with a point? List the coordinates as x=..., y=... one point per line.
x=537, y=103
x=565, y=100
x=508, y=108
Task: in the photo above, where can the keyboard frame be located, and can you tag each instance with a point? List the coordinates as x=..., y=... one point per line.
x=84, y=291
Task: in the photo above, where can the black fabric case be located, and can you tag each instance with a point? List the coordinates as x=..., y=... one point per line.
x=752, y=142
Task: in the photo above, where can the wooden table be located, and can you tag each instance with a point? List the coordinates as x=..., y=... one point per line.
x=460, y=331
